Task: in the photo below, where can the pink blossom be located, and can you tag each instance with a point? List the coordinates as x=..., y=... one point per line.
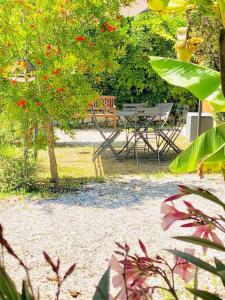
x=171, y=215
x=184, y=268
x=206, y=231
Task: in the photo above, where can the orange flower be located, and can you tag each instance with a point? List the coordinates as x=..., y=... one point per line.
x=80, y=38
x=118, y=17
x=38, y=62
x=45, y=77
x=49, y=47
x=21, y=103
x=106, y=24
x=102, y=29
x=56, y=72
x=91, y=44
x=47, y=53
x=59, y=90
x=38, y=103
x=14, y=82
x=111, y=28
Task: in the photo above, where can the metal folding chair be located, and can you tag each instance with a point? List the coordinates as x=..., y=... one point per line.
x=169, y=133
x=107, y=140
x=159, y=122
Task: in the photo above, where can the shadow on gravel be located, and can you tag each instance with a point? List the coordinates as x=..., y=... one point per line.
x=116, y=194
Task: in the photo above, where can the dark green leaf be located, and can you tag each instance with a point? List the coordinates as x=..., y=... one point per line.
x=221, y=269
x=102, y=290
x=26, y=295
x=195, y=261
x=201, y=242
x=204, y=295
x=205, y=194
x=7, y=287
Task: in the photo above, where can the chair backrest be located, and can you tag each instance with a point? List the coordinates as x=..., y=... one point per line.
x=181, y=115
x=165, y=109
x=104, y=103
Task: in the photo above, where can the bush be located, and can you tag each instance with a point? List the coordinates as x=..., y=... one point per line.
x=13, y=176
x=135, y=80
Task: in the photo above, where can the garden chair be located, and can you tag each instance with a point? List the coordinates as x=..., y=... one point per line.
x=105, y=107
x=159, y=122
x=108, y=140
x=169, y=133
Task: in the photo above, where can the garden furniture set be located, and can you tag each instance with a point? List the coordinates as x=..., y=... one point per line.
x=157, y=128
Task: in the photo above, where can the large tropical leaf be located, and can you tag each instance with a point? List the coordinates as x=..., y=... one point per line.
x=207, y=148
x=203, y=82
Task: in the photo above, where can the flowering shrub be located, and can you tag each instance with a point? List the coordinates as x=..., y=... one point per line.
x=139, y=277
x=55, y=47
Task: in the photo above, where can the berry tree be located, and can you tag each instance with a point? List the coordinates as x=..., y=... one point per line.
x=57, y=47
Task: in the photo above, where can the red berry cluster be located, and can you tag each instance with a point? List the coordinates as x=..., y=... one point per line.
x=108, y=27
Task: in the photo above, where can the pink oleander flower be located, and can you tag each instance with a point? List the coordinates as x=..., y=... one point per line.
x=184, y=268
x=206, y=231
x=171, y=215
x=118, y=279
x=132, y=273
x=182, y=193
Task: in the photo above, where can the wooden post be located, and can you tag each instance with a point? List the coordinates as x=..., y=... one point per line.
x=222, y=58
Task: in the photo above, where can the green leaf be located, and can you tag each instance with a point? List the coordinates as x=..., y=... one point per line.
x=195, y=261
x=201, y=242
x=7, y=286
x=203, y=82
x=102, y=290
x=25, y=292
x=217, y=156
x=221, y=269
x=205, y=145
x=205, y=194
x=204, y=295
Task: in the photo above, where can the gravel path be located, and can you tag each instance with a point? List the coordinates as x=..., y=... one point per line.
x=87, y=137
x=83, y=227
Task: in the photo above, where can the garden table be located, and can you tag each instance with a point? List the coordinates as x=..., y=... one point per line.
x=139, y=120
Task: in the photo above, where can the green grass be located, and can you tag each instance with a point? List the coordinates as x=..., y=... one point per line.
x=77, y=169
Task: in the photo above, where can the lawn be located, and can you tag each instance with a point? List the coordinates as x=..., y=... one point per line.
x=75, y=163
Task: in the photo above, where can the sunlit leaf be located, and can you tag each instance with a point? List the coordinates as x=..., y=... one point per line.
x=203, y=82
x=205, y=145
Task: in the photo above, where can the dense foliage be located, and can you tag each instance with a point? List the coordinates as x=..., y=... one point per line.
x=60, y=45
x=135, y=80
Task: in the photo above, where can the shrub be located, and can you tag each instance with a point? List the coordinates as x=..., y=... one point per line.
x=135, y=80
x=15, y=174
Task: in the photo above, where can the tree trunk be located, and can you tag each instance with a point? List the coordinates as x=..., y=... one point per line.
x=222, y=58
x=51, y=151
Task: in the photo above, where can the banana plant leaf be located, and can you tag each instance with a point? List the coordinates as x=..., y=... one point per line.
x=202, y=82
x=207, y=149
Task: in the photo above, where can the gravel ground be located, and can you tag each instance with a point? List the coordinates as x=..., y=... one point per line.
x=83, y=227
x=87, y=137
